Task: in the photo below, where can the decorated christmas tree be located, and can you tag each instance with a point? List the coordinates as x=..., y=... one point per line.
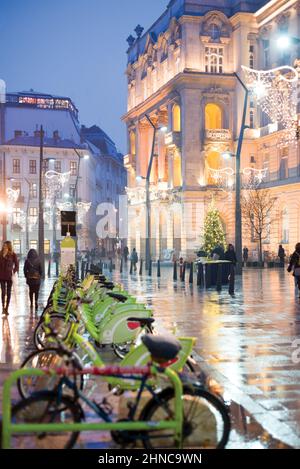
x=213, y=230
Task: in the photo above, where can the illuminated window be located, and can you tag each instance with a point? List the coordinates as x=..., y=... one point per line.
x=177, y=179
x=214, y=59
x=17, y=246
x=251, y=119
x=45, y=166
x=214, y=32
x=283, y=168
x=32, y=166
x=132, y=139
x=213, y=116
x=284, y=226
x=251, y=56
x=16, y=166
x=33, y=190
x=33, y=244
x=17, y=216
x=73, y=168
x=72, y=190
x=57, y=166
x=176, y=113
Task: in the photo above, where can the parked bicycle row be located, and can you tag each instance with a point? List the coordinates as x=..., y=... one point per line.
x=178, y=409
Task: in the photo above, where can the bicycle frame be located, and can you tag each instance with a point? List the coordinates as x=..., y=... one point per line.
x=9, y=428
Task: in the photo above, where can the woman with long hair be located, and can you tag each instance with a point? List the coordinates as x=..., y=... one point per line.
x=9, y=265
x=33, y=275
x=294, y=265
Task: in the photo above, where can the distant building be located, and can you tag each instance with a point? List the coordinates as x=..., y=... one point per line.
x=65, y=151
x=181, y=72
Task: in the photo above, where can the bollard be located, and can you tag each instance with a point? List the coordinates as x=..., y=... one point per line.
x=57, y=269
x=131, y=267
x=86, y=268
x=219, y=277
x=158, y=268
x=175, y=271
x=141, y=267
x=49, y=268
x=200, y=276
x=191, y=279
x=82, y=269
x=150, y=268
x=101, y=267
x=77, y=269
x=121, y=265
x=110, y=265
x=183, y=272
x=231, y=280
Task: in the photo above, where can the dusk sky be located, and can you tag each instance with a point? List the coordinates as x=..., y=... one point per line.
x=75, y=48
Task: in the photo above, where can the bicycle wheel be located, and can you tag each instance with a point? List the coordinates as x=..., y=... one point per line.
x=44, y=408
x=206, y=420
x=57, y=323
x=49, y=358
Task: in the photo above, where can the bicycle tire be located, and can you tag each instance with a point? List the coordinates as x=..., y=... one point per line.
x=40, y=363
x=31, y=410
x=39, y=338
x=163, y=398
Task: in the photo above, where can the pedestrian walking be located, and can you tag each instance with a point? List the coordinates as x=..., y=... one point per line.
x=245, y=255
x=230, y=254
x=281, y=255
x=125, y=253
x=9, y=265
x=33, y=274
x=134, y=258
x=294, y=265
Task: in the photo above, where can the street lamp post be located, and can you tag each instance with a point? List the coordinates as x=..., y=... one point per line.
x=238, y=208
x=148, y=204
x=41, y=235
x=76, y=198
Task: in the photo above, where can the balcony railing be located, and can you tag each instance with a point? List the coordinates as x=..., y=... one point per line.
x=218, y=135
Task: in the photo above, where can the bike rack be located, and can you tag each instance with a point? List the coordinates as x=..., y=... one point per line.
x=9, y=428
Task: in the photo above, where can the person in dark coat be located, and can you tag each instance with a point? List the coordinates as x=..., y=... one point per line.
x=294, y=265
x=245, y=254
x=134, y=258
x=33, y=274
x=125, y=253
x=281, y=255
x=219, y=251
x=9, y=265
x=230, y=254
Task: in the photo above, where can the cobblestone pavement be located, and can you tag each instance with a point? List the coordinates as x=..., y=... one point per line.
x=244, y=342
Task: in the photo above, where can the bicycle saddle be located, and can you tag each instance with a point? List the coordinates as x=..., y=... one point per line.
x=117, y=296
x=142, y=321
x=108, y=285
x=160, y=347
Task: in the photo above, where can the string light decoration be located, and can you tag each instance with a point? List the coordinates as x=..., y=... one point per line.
x=275, y=91
x=54, y=183
x=254, y=177
x=223, y=177
x=82, y=209
x=12, y=195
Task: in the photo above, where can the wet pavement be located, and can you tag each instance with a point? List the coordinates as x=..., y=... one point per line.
x=243, y=342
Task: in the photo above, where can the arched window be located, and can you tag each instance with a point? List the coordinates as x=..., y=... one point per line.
x=214, y=32
x=284, y=226
x=213, y=116
x=132, y=143
x=176, y=118
x=177, y=177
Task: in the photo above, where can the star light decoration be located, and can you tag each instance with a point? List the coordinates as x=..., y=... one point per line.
x=275, y=92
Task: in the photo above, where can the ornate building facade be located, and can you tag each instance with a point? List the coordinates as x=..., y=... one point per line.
x=181, y=74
